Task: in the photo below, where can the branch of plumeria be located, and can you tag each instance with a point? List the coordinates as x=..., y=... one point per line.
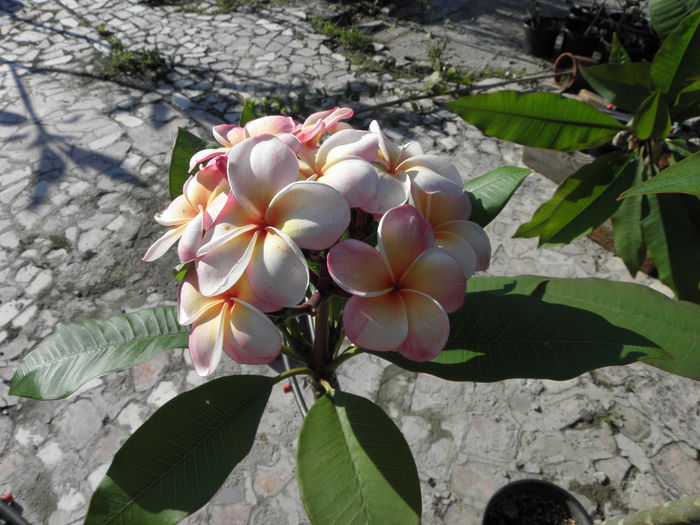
x=293, y=372
x=462, y=91
x=349, y=353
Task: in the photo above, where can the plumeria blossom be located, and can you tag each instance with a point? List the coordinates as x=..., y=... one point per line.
x=344, y=162
x=230, y=322
x=228, y=136
x=401, y=168
x=317, y=124
x=204, y=194
x=268, y=218
x=465, y=240
x=401, y=292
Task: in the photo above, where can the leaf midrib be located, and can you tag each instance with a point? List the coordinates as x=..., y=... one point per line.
x=548, y=119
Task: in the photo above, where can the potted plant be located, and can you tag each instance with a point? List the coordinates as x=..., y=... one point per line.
x=540, y=32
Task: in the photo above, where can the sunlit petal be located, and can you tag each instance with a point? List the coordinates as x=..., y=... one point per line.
x=347, y=143
x=162, y=245
x=251, y=338
x=403, y=235
x=476, y=237
x=206, y=340
x=428, y=327
x=359, y=269
x=458, y=248
x=277, y=272
x=312, y=214
x=431, y=173
x=191, y=238
x=220, y=134
x=437, y=274
x=376, y=323
x=439, y=208
x=205, y=155
x=355, y=178
x=191, y=303
x=272, y=125
x=392, y=191
x=220, y=268
x=178, y=211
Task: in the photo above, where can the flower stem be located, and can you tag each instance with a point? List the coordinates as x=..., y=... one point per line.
x=293, y=372
x=320, y=353
x=352, y=352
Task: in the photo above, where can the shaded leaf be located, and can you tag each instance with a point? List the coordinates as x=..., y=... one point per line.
x=177, y=460
x=618, y=54
x=489, y=193
x=186, y=145
x=624, y=85
x=688, y=103
x=681, y=177
x=247, y=113
x=627, y=230
x=354, y=465
x=667, y=14
x=652, y=119
x=678, y=59
x=541, y=120
x=79, y=352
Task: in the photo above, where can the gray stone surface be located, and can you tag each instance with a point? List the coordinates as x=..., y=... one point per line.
x=83, y=169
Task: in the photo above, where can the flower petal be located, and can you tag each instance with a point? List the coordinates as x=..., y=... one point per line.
x=437, y=274
x=403, y=235
x=277, y=272
x=205, y=155
x=251, y=338
x=476, y=237
x=219, y=268
x=312, y=214
x=355, y=178
x=179, y=211
x=458, y=248
x=191, y=239
x=376, y=323
x=431, y=174
x=272, y=125
x=206, y=340
x=359, y=269
x=162, y=245
x=258, y=168
x=191, y=303
x=347, y=143
x=439, y=208
x=220, y=133
x=428, y=327
x=392, y=191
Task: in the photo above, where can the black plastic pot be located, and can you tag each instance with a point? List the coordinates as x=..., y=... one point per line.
x=540, y=38
x=579, y=43
x=533, y=502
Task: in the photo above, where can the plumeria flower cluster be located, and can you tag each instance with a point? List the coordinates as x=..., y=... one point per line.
x=279, y=195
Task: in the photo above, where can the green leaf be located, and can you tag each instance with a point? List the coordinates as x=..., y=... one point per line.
x=247, y=113
x=177, y=460
x=678, y=59
x=667, y=14
x=618, y=54
x=652, y=119
x=541, y=120
x=624, y=85
x=682, y=177
x=546, y=328
x=78, y=352
x=688, y=103
x=627, y=231
x=354, y=466
x=186, y=145
x=673, y=242
x=681, y=149
x=489, y=193
x=581, y=203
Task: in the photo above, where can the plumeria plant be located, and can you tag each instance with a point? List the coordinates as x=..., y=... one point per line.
x=318, y=242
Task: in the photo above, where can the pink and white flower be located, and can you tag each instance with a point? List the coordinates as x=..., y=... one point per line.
x=317, y=124
x=230, y=322
x=401, y=292
x=268, y=218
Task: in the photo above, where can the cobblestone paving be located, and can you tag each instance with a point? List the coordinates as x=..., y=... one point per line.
x=82, y=171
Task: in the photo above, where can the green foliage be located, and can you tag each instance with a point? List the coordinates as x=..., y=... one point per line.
x=652, y=119
x=678, y=59
x=682, y=177
x=146, y=64
x=667, y=14
x=547, y=328
x=627, y=231
x=624, y=85
x=354, y=466
x=489, y=193
x=186, y=145
x=618, y=54
x=78, y=352
x=177, y=460
x=541, y=120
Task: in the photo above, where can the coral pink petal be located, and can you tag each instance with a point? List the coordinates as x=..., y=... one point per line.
x=250, y=337
x=348, y=143
x=206, y=340
x=376, y=323
x=439, y=208
x=391, y=191
x=359, y=269
x=258, y=168
x=355, y=178
x=437, y=274
x=191, y=303
x=162, y=245
x=220, y=134
x=272, y=125
x=428, y=327
x=205, y=155
x=431, y=174
x=458, y=248
x=403, y=236
x=236, y=135
x=214, y=209
x=277, y=272
x=178, y=211
x=191, y=239
x=243, y=291
x=312, y=214
x=220, y=268
x=476, y=237
x=291, y=141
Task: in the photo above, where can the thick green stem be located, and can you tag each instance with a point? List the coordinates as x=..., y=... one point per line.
x=294, y=372
x=320, y=354
x=685, y=510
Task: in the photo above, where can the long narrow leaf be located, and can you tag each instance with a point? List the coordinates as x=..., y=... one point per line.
x=186, y=145
x=678, y=59
x=177, y=460
x=652, y=119
x=627, y=231
x=682, y=177
x=624, y=85
x=618, y=54
x=78, y=352
x=354, y=466
x=667, y=14
x=541, y=120
x=489, y=193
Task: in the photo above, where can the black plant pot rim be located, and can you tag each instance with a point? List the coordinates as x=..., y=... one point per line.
x=544, y=489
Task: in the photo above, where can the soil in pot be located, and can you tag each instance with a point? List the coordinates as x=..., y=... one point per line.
x=529, y=509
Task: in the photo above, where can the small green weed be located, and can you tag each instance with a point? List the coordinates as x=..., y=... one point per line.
x=147, y=64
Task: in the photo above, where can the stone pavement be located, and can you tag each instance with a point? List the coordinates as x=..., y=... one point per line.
x=82, y=172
